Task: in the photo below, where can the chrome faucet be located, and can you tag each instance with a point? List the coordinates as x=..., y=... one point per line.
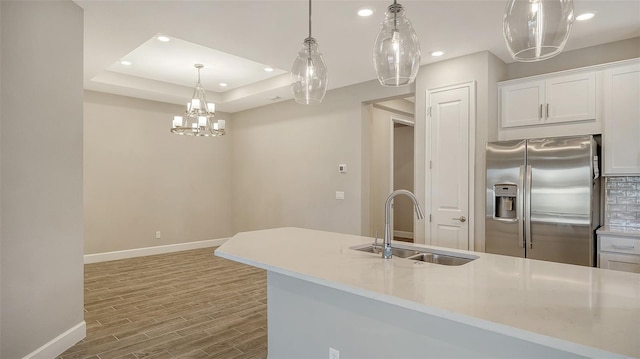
x=388, y=231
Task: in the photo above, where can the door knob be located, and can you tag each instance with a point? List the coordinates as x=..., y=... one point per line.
x=461, y=219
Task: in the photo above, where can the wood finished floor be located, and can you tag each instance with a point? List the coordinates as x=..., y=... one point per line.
x=188, y=304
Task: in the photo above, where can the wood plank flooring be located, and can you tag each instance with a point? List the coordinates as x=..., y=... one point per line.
x=188, y=304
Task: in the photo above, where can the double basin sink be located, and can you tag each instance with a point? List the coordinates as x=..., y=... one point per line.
x=420, y=254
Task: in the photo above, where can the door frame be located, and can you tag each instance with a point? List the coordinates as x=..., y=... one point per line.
x=471, y=86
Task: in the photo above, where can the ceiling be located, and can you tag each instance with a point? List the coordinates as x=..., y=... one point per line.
x=251, y=35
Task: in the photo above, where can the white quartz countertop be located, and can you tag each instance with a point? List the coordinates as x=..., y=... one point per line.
x=587, y=311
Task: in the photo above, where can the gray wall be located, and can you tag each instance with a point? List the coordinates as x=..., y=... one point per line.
x=285, y=161
x=610, y=52
x=41, y=182
x=140, y=178
x=1, y=180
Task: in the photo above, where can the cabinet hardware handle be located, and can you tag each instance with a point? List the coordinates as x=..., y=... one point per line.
x=547, y=111
x=540, y=112
x=461, y=219
x=617, y=246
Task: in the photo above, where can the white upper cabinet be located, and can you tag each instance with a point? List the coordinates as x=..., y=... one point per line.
x=522, y=104
x=552, y=100
x=570, y=98
x=621, y=137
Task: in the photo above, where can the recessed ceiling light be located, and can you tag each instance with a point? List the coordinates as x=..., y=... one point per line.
x=437, y=53
x=125, y=62
x=268, y=69
x=364, y=12
x=585, y=16
x=163, y=38
x=223, y=84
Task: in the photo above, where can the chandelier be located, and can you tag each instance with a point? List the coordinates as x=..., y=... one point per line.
x=536, y=30
x=309, y=72
x=396, y=53
x=198, y=119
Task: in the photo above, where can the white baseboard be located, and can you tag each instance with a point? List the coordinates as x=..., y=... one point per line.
x=149, y=251
x=60, y=343
x=403, y=234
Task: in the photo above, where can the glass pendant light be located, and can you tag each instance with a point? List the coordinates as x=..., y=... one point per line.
x=536, y=30
x=198, y=119
x=396, y=53
x=309, y=73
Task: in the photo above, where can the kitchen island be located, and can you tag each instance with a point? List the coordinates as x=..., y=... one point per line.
x=322, y=294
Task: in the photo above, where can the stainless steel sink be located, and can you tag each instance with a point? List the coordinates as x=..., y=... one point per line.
x=441, y=259
x=421, y=254
x=398, y=252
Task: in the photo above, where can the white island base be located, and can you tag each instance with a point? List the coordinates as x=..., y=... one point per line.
x=322, y=294
x=306, y=319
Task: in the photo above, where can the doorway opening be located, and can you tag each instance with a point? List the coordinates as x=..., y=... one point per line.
x=403, y=169
x=391, y=125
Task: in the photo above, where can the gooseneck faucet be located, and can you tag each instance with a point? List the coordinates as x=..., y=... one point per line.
x=388, y=231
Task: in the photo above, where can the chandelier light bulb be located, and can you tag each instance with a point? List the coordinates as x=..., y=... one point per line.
x=177, y=121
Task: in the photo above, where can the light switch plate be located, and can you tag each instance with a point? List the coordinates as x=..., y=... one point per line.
x=339, y=195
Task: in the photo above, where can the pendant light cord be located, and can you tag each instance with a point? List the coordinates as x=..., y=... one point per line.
x=309, y=18
x=395, y=15
x=309, y=42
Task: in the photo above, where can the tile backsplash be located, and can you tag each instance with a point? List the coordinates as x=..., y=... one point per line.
x=622, y=201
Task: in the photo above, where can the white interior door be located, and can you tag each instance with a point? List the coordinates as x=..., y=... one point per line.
x=448, y=117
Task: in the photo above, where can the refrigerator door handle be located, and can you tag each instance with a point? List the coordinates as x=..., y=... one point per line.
x=520, y=208
x=527, y=208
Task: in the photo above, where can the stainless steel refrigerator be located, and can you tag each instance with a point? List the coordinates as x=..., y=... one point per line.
x=543, y=199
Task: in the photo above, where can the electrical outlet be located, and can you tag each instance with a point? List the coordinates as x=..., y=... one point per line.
x=334, y=353
x=157, y=234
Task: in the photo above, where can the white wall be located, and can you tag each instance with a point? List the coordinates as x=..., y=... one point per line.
x=41, y=178
x=140, y=178
x=286, y=157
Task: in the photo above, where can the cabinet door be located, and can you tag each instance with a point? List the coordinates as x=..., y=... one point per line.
x=621, y=138
x=521, y=104
x=621, y=262
x=571, y=98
